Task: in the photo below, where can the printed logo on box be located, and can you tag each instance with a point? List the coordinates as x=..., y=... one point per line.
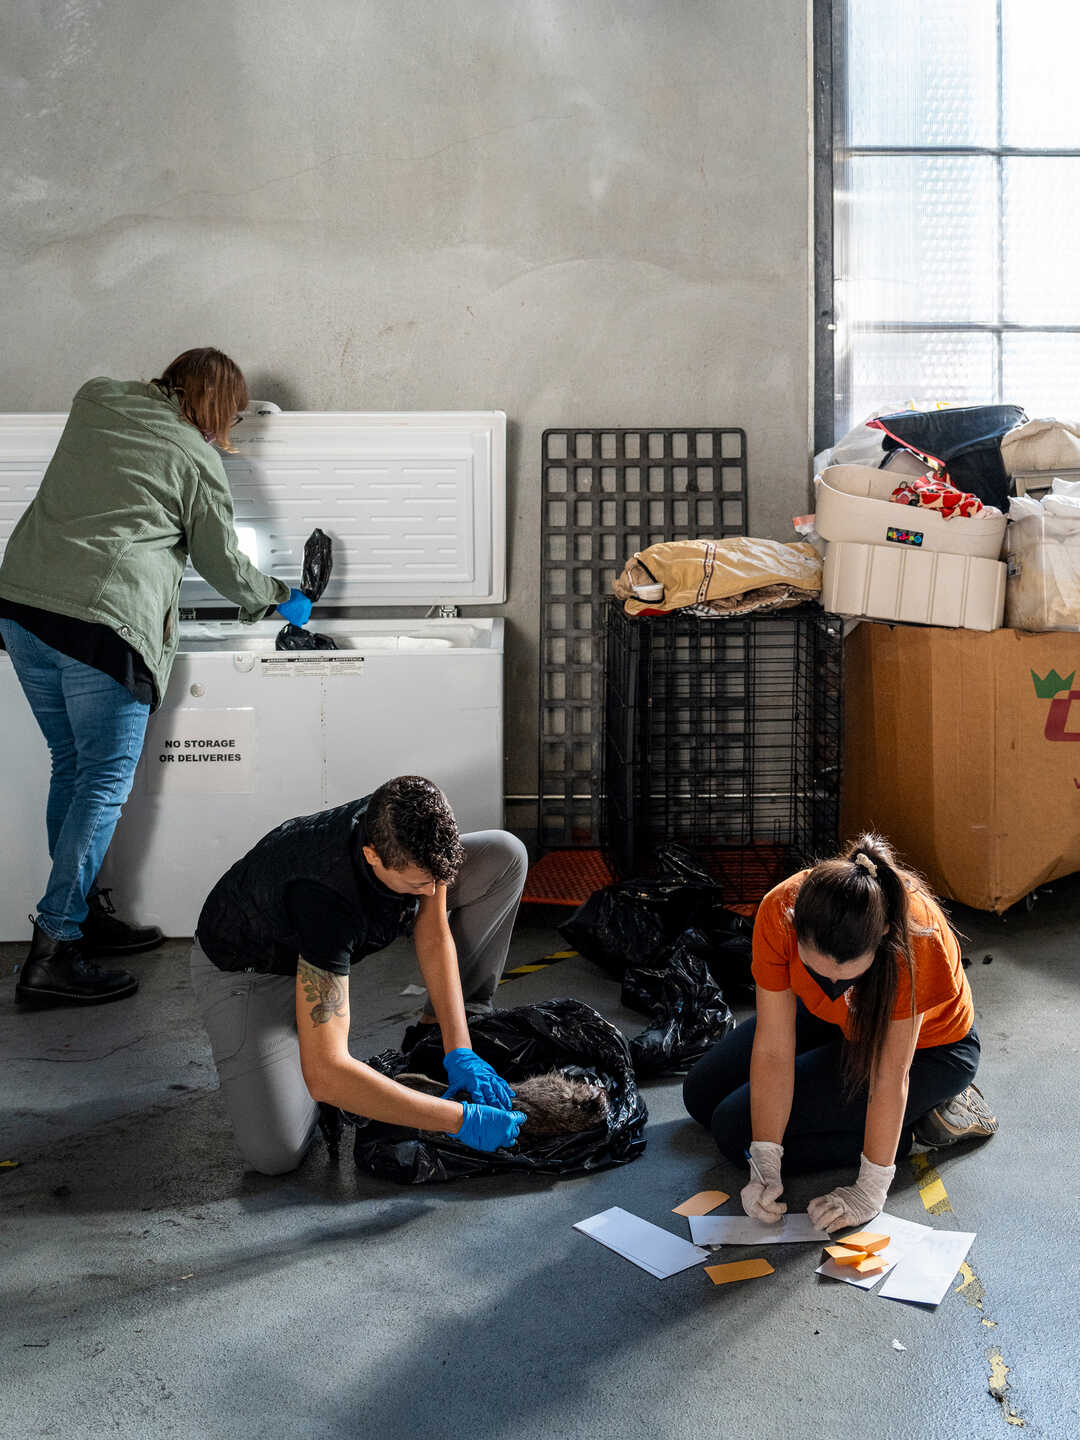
x=904, y=537
x=1049, y=687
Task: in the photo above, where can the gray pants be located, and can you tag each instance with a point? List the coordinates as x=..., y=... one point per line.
x=251, y=1018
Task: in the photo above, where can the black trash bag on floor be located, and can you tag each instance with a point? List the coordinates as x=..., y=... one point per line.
x=672, y=943
x=314, y=578
x=630, y=921
x=689, y=1012
x=565, y=1035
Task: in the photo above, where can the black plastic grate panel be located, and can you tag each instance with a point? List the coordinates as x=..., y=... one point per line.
x=724, y=736
x=604, y=495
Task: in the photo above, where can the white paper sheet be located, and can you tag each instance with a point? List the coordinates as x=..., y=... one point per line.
x=741, y=1230
x=904, y=1235
x=926, y=1273
x=655, y=1250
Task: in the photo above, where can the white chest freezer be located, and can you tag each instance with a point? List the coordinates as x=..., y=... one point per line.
x=248, y=736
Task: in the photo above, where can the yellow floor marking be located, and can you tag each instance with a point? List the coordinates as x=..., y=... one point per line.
x=999, y=1387
x=539, y=965
x=936, y=1200
x=931, y=1187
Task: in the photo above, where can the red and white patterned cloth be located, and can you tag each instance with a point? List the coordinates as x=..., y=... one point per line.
x=935, y=494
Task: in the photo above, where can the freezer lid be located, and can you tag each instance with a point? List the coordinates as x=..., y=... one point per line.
x=415, y=502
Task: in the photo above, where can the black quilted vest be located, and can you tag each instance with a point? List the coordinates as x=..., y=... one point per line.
x=244, y=923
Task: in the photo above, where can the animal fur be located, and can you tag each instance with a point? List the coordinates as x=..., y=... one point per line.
x=553, y=1104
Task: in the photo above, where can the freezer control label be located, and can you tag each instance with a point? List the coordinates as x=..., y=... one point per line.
x=201, y=752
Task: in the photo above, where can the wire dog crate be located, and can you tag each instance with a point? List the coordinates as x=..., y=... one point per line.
x=605, y=494
x=725, y=736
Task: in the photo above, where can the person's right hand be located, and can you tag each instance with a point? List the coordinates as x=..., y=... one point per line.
x=296, y=609
x=486, y=1128
x=760, y=1195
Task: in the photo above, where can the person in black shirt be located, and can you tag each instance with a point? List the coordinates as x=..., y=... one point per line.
x=282, y=928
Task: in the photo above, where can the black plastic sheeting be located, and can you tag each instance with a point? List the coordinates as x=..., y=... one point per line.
x=314, y=578
x=566, y=1035
x=672, y=943
x=967, y=439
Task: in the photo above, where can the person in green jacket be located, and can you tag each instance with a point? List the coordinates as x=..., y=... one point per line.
x=89, y=604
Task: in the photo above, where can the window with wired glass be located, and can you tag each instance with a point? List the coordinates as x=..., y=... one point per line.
x=947, y=206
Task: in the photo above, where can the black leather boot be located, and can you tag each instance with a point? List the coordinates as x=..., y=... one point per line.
x=56, y=972
x=105, y=934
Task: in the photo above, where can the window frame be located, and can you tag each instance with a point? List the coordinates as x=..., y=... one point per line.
x=832, y=357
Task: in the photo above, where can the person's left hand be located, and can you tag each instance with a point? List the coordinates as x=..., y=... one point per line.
x=853, y=1204
x=468, y=1072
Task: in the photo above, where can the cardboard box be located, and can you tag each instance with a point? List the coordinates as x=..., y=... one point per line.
x=959, y=749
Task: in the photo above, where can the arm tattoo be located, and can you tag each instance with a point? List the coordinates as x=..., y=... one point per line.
x=325, y=991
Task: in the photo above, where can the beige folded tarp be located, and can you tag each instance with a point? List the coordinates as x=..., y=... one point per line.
x=724, y=576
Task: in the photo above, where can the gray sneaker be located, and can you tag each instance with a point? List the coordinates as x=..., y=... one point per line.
x=965, y=1117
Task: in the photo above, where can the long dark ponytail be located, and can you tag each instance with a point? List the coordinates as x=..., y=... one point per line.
x=851, y=906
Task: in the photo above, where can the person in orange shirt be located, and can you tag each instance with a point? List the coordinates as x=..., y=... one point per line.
x=863, y=1041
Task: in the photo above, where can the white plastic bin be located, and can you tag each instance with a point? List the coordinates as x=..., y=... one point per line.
x=922, y=587
x=853, y=505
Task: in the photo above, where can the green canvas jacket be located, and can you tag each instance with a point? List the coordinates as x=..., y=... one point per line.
x=131, y=492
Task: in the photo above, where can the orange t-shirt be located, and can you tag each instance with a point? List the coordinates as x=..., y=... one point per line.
x=942, y=993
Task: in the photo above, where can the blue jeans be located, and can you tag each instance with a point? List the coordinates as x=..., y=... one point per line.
x=94, y=729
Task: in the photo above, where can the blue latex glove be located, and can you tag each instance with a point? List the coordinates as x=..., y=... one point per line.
x=488, y=1128
x=476, y=1077
x=296, y=609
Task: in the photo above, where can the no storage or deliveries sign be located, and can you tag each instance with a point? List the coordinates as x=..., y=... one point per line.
x=203, y=752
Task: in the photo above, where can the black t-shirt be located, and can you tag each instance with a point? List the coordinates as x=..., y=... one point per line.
x=328, y=933
x=87, y=642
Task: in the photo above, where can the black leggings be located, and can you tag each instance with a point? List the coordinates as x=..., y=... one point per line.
x=825, y=1131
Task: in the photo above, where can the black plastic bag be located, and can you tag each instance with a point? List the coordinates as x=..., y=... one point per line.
x=293, y=637
x=671, y=942
x=314, y=578
x=689, y=1012
x=564, y=1034
x=631, y=921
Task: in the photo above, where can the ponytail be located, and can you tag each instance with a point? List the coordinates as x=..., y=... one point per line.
x=849, y=907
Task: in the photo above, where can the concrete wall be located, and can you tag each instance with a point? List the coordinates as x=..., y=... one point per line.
x=578, y=211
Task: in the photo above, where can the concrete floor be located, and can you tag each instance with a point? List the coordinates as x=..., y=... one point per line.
x=152, y=1288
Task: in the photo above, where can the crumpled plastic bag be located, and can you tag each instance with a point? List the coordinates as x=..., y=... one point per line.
x=314, y=578
x=672, y=943
x=564, y=1034
x=688, y=1010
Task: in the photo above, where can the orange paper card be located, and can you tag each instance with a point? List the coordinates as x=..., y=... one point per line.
x=865, y=1240
x=843, y=1255
x=738, y=1270
x=872, y=1265
x=702, y=1202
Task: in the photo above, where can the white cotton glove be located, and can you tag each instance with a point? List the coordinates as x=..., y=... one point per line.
x=853, y=1204
x=759, y=1196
